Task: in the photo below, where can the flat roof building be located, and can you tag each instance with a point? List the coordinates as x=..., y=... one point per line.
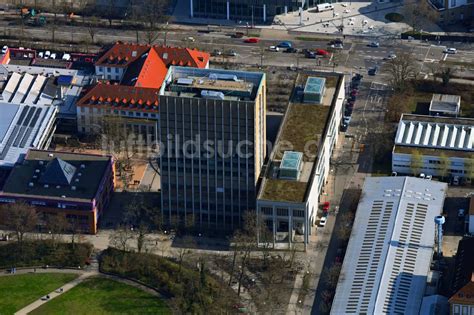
x=78, y=186
x=213, y=131
x=445, y=105
x=309, y=131
x=434, y=141
x=24, y=127
x=389, y=254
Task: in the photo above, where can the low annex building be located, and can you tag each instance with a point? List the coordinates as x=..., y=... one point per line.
x=438, y=146
x=134, y=75
x=77, y=186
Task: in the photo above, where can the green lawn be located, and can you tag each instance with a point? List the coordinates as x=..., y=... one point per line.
x=103, y=296
x=21, y=290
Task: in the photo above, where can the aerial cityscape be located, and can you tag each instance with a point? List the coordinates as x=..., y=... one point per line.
x=237, y=157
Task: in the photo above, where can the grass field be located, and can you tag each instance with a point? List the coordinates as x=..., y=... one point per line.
x=103, y=296
x=21, y=290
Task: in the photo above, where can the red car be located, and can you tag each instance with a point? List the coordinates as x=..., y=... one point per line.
x=326, y=206
x=251, y=40
x=322, y=52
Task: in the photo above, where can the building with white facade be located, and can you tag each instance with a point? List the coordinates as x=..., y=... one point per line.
x=212, y=132
x=438, y=146
x=392, y=242
x=445, y=105
x=289, y=201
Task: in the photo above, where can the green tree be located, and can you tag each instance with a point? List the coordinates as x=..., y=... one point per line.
x=19, y=217
x=444, y=166
x=416, y=162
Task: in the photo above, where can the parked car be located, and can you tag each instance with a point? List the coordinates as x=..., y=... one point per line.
x=391, y=57
x=394, y=173
x=66, y=57
x=291, y=50
x=40, y=54
x=238, y=35
x=310, y=54
x=285, y=44
x=348, y=112
x=354, y=92
x=274, y=48
x=344, y=127
x=322, y=52
x=47, y=54
x=4, y=49
x=336, y=41
x=53, y=56
x=347, y=119
x=190, y=39
x=337, y=46
x=429, y=177
x=216, y=52
x=422, y=175
x=326, y=206
x=450, y=51
x=357, y=77
x=374, y=44
x=251, y=40
x=232, y=53
x=323, y=221
x=373, y=70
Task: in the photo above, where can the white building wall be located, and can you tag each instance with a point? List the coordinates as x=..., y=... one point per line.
x=109, y=73
x=401, y=163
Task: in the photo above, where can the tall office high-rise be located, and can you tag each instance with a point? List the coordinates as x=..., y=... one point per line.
x=212, y=133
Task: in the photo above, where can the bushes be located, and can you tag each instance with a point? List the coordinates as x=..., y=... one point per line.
x=44, y=252
x=394, y=17
x=185, y=287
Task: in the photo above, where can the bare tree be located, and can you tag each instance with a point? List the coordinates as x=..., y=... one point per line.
x=187, y=244
x=91, y=28
x=20, y=217
x=416, y=13
x=446, y=73
x=57, y=225
x=396, y=106
x=330, y=275
x=401, y=69
x=344, y=227
x=121, y=237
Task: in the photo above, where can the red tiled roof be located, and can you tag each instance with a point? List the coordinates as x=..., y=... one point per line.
x=465, y=295
x=122, y=54
x=153, y=72
x=182, y=56
x=121, y=97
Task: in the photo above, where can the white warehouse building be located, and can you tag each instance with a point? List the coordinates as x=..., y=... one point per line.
x=298, y=167
x=386, y=266
x=435, y=141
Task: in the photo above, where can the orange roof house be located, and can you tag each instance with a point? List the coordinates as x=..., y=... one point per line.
x=121, y=97
x=465, y=295
x=145, y=70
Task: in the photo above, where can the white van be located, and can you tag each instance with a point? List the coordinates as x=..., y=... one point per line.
x=324, y=7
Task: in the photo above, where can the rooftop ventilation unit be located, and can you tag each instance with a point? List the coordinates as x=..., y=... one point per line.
x=185, y=81
x=57, y=186
x=83, y=166
x=41, y=162
x=31, y=184
x=221, y=76
x=77, y=180
x=79, y=174
x=212, y=95
x=46, y=186
x=50, y=154
x=37, y=170
x=73, y=187
x=63, y=196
